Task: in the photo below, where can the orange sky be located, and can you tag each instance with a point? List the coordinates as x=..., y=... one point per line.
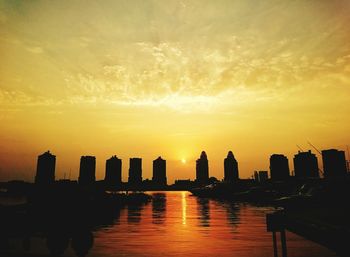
x=171, y=78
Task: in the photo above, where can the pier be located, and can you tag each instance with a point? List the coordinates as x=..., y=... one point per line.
x=333, y=234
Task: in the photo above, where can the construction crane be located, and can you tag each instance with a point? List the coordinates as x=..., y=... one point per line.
x=348, y=161
x=300, y=148
x=314, y=147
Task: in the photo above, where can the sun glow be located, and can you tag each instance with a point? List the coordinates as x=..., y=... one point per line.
x=184, y=206
x=216, y=76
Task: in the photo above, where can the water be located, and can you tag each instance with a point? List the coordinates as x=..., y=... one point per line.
x=178, y=224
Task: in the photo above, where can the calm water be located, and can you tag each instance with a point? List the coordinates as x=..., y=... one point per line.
x=178, y=224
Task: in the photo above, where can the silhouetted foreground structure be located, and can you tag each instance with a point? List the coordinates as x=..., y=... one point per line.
x=113, y=176
x=45, y=170
x=87, y=170
x=230, y=168
x=202, y=169
x=159, y=172
x=279, y=167
x=305, y=165
x=261, y=176
x=319, y=211
x=334, y=163
x=135, y=172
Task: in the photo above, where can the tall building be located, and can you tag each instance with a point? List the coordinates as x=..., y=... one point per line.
x=279, y=168
x=87, y=170
x=159, y=171
x=263, y=176
x=113, y=175
x=45, y=169
x=202, y=169
x=305, y=165
x=256, y=176
x=135, y=171
x=334, y=163
x=230, y=168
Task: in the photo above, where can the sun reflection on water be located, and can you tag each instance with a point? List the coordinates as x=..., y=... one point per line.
x=183, y=205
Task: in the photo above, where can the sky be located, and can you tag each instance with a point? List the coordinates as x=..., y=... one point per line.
x=171, y=78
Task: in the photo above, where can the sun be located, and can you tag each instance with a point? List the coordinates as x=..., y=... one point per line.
x=183, y=160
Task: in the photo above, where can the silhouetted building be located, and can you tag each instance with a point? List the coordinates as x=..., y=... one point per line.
x=305, y=165
x=279, y=168
x=159, y=172
x=113, y=176
x=45, y=169
x=256, y=176
x=87, y=170
x=334, y=163
x=230, y=168
x=263, y=176
x=202, y=169
x=135, y=171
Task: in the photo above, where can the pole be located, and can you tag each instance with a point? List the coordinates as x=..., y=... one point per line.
x=284, y=243
x=275, y=253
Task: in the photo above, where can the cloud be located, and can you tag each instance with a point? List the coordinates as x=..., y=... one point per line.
x=23, y=99
x=35, y=49
x=200, y=59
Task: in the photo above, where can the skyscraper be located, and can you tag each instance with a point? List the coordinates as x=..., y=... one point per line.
x=305, y=165
x=113, y=175
x=135, y=171
x=256, y=176
x=202, y=169
x=230, y=168
x=45, y=169
x=334, y=163
x=87, y=170
x=159, y=171
x=279, y=168
x=263, y=176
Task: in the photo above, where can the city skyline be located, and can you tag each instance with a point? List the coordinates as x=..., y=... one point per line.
x=139, y=78
x=303, y=165
x=216, y=166
x=174, y=128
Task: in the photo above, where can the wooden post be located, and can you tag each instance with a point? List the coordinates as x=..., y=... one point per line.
x=284, y=243
x=275, y=253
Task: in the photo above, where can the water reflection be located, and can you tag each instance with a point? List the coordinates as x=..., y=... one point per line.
x=62, y=220
x=159, y=208
x=57, y=242
x=203, y=209
x=232, y=214
x=81, y=242
x=174, y=224
x=183, y=207
x=134, y=212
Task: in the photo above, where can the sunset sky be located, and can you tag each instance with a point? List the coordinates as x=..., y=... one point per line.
x=171, y=78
